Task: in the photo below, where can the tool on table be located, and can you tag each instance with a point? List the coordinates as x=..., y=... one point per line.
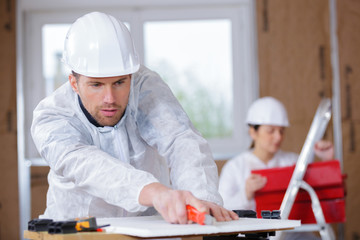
x=62, y=227
x=201, y=218
x=244, y=213
x=39, y=225
x=262, y=235
x=275, y=214
x=87, y=224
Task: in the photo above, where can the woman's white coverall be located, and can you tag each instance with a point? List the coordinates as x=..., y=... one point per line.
x=237, y=170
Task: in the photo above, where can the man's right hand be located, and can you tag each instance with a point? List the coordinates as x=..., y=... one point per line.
x=171, y=204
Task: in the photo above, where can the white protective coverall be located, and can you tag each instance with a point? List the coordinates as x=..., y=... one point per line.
x=233, y=178
x=237, y=170
x=100, y=171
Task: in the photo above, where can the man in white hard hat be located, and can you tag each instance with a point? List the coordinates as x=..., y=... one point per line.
x=112, y=133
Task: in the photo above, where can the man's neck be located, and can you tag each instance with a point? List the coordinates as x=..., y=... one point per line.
x=88, y=115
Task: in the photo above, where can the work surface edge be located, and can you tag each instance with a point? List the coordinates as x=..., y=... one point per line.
x=156, y=227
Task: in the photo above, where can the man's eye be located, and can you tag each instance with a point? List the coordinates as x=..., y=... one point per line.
x=119, y=82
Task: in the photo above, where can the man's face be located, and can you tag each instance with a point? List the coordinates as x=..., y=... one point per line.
x=104, y=98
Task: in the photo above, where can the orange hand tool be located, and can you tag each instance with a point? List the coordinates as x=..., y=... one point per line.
x=199, y=217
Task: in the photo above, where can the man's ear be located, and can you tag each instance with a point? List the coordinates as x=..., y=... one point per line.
x=73, y=83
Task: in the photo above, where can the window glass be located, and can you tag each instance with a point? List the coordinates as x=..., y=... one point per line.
x=53, y=36
x=194, y=58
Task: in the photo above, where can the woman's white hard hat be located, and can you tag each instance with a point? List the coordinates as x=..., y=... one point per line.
x=267, y=111
x=99, y=45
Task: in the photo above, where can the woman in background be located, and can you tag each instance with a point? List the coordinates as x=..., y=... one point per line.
x=267, y=120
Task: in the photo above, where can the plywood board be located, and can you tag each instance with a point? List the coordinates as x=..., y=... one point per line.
x=351, y=140
x=349, y=63
x=39, y=187
x=349, y=53
x=9, y=197
x=294, y=60
x=156, y=226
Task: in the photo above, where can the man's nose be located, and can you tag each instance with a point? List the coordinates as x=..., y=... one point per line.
x=109, y=96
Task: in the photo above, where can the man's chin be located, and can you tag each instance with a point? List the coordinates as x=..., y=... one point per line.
x=108, y=122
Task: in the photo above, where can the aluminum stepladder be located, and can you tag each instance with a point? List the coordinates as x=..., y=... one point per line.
x=316, y=132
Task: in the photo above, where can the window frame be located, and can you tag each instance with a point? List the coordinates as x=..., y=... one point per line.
x=245, y=80
x=223, y=148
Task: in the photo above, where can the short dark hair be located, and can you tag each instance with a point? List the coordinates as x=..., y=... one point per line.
x=255, y=127
x=76, y=75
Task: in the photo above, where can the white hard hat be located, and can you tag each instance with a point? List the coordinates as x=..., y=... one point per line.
x=267, y=111
x=99, y=45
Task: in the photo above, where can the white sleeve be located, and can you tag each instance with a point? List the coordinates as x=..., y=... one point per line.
x=164, y=125
x=293, y=158
x=65, y=143
x=232, y=187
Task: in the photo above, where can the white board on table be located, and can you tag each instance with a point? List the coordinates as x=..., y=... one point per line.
x=156, y=226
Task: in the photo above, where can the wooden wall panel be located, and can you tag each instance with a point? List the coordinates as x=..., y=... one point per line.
x=39, y=187
x=294, y=60
x=9, y=200
x=295, y=67
x=349, y=51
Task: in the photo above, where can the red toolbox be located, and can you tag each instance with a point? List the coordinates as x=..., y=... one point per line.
x=324, y=177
